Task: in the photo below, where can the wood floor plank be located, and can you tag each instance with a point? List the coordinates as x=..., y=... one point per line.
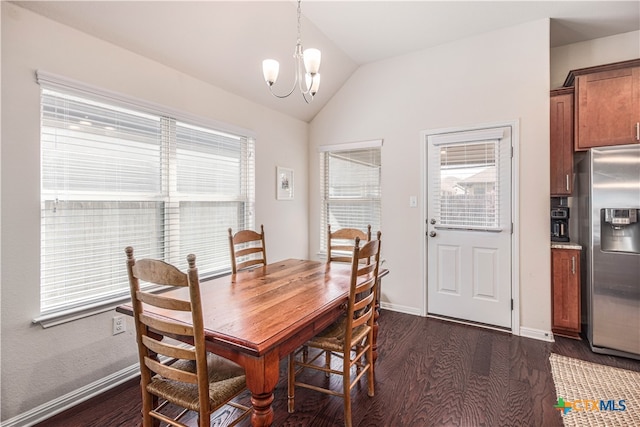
x=429, y=373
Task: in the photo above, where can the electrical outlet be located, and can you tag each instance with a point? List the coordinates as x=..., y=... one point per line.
x=118, y=325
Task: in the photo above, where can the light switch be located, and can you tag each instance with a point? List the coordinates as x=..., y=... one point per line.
x=413, y=201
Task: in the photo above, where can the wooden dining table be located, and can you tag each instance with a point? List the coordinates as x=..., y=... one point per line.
x=257, y=317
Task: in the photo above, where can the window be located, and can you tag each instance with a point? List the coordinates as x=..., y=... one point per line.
x=350, y=187
x=468, y=187
x=117, y=174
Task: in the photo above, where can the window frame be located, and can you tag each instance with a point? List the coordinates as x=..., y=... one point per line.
x=325, y=152
x=48, y=81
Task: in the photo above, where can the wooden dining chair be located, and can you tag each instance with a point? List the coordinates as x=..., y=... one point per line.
x=340, y=242
x=247, y=249
x=350, y=338
x=188, y=377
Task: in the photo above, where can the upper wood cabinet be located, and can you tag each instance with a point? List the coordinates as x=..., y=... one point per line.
x=561, y=148
x=607, y=104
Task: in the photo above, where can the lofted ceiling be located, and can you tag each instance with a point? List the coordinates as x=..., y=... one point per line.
x=224, y=42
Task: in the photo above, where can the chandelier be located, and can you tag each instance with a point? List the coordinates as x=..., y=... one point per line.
x=307, y=64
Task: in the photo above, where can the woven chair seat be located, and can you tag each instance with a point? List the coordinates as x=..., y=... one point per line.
x=226, y=379
x=332, y=338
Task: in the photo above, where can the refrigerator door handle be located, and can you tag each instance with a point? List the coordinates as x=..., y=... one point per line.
x=638, y=131
x=573, y=265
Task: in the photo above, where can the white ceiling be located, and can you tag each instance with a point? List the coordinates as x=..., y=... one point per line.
x=224, y=42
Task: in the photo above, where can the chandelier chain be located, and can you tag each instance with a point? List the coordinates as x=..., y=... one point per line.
x=299, y=15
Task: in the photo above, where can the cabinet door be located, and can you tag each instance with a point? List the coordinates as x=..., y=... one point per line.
x=565, y=269
x=608, y=108
x=561, y=148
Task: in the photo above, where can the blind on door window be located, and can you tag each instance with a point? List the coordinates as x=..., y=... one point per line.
x=113, y=176
x=467, y=185
x=350, y=188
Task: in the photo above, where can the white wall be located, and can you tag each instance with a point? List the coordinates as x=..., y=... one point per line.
x=39, y=365
x=620, y=47
x=494, y=77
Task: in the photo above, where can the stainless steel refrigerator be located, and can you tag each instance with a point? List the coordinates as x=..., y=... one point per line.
x=609, y=229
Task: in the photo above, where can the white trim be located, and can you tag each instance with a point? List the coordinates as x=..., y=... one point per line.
x=537, y=334
x=399, y=308
x=69, y=400
x=374, y=143
x=482, y=131
x=60, y=317
x=55, y=81
x=515, y=219
x=55, y=318
x=471, y=136
x=423, y=218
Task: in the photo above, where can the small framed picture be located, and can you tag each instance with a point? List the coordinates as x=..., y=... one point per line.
x=284, y=183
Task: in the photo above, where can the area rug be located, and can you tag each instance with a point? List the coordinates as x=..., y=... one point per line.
x=590, y=394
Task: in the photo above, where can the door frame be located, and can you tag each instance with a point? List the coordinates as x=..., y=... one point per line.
x=515, y=211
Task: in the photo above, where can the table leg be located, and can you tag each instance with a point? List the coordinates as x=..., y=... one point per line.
x=262, y=376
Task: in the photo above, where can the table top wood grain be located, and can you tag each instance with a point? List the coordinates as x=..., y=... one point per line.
x=256, y=310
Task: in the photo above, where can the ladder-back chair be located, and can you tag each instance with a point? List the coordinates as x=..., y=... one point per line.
x=170, y=373
x=349, y=338
x=340, y=242
x=247, y=249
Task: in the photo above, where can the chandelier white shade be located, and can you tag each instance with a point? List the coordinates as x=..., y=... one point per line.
x=270, y=68
x=312, y=60
x=307, y=65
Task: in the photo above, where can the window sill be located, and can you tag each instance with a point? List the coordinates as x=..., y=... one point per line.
x=56, y=318
x=60, y=317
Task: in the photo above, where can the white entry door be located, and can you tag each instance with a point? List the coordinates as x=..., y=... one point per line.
x=469, y=225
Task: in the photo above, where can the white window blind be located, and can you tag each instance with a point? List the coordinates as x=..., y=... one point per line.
x=350, y=187
x=114, y=176
x=215, y=191
x=467, y=184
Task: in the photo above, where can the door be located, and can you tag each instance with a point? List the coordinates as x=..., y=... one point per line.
x=469, y=225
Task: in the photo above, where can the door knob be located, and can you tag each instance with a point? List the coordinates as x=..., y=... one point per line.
x=432, y=234
x=432, y=221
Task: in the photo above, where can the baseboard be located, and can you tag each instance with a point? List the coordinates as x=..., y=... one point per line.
x=69, y=400
x=400, y=308
x=536, y=334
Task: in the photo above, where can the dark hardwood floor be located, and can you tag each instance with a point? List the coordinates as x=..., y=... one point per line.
x=429, y=373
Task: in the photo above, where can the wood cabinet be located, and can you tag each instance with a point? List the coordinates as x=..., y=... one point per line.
x=565, y=287
x=607, y=105
x=561, y=149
